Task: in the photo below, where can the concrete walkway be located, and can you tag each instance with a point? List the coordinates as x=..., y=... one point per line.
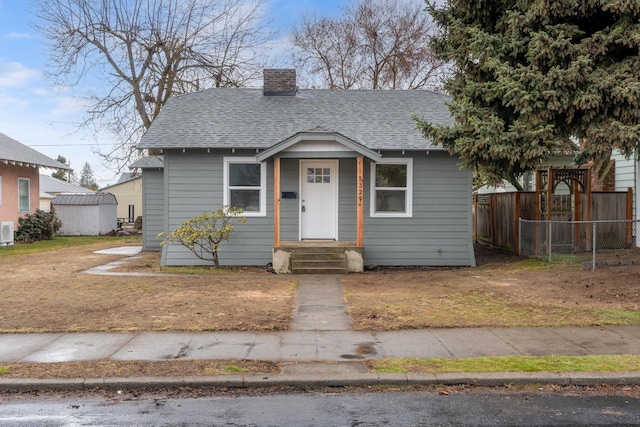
x=320, y=305
x=318, y=346
x=321, y=342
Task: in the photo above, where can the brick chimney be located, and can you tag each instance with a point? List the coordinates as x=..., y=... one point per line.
x=279, y=82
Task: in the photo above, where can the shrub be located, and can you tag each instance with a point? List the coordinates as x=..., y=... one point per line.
x=203, y=234
x=40, y=225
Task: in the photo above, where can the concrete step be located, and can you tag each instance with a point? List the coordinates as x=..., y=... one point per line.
x=318, y=270
x=317, y=249
x=317, y=263
x=324, y=262
x=319, y=256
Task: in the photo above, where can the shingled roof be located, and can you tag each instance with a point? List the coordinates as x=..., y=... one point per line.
x=148, y=162
x=14, y=152
x=51, y=185
x=245, y=118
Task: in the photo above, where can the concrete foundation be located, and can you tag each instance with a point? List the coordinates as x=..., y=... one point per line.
x=282, y=255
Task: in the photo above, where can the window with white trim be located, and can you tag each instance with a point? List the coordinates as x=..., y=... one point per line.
x=392, y=188
x=23, y=194
x=245, y=185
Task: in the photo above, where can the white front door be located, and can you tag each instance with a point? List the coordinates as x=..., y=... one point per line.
x=319, y=199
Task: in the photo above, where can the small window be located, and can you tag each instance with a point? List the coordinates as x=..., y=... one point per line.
x=319, y=175
x=245, y=185
x=23, y=194
x=391, y=188
x=0, y=190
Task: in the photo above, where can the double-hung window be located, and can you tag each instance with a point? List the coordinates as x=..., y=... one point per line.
x=392, y=188
x=245, y=185
x=23, y=194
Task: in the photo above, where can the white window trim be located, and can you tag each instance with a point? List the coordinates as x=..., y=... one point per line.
x=408, y=189
x=28, y=195
x=226, y=198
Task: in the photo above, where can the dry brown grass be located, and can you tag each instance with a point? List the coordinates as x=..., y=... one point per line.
x=140, y=368
x=46, y=292
x=503, y=291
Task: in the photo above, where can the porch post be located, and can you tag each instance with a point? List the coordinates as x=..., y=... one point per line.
x=276, y=201
x=360, y=201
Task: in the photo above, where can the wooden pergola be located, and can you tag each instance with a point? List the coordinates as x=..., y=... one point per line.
x=578, y=180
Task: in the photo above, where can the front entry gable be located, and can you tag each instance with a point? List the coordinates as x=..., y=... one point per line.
x=318, y=143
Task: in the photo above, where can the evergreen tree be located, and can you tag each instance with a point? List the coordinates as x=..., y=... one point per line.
x=87, y=180
x=61, y=173
x=531, y=74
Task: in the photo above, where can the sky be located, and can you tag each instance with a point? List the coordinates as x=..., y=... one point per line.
x=46, y=118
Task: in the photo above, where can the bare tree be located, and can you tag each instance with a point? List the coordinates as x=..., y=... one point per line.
x=376, y=44
x=142, y=52
x=329, y=48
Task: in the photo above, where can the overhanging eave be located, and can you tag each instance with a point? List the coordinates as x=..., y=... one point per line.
x=318, y=136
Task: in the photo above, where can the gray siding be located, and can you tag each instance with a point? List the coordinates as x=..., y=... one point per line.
x=439, y=233
x=289, y=208
x=152, y=208
x=626, y=170
x=347, y=192
x=194, y=184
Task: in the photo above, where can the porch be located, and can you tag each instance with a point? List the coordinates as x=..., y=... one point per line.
x=318, y=257
x=319, y=250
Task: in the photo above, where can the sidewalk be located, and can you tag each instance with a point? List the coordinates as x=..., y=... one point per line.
x=321, y=348
x=318, y=346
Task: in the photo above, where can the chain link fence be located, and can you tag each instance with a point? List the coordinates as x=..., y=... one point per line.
x=594, y=243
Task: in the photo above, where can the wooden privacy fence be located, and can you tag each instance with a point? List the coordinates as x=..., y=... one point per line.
x=496, y=216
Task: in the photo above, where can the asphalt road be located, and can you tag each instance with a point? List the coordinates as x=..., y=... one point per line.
x=421, y=408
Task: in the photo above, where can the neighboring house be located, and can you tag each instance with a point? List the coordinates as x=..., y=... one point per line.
x=51, y=187
x=152, y=200
x=627, y=176
x=20, y=179
x=311, y=167
x=128, y=191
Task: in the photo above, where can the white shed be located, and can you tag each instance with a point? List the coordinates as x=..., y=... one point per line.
x=86, y=214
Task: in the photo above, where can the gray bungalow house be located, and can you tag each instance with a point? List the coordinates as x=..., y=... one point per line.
x=312, y=169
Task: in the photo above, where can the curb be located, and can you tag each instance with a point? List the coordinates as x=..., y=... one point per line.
x=489, y=379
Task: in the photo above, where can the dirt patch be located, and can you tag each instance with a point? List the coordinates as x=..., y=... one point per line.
x=138, y=368
x=504, y=290
x=46, y=292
